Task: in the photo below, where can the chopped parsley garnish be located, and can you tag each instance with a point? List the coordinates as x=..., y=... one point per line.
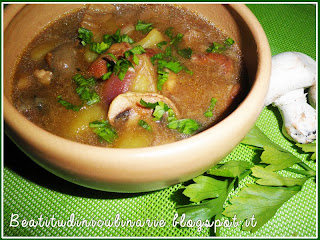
x=177, y=39
x=186, y=52
x=85, y=90
x=99, y=47
x=160, y=44
x=136, y=50
x=144, y=124
x=160, y=109
x=186, y=126
x=171, y=65
x=106, y=76
x=209, y=113
x=144, y=27
x=85, y=36
x=219, y=48
x=121, y=67
x=169, y=33
x=68, y=105
x=117, y=38
x=148, y=104
x=104, y=130
x=162, y=78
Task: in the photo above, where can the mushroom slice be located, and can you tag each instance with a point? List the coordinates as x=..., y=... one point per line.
x=130, y=101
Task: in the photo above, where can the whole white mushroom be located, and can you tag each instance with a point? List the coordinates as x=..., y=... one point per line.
x=291, y=73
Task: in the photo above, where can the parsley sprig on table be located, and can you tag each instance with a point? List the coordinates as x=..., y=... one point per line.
x=210, y=191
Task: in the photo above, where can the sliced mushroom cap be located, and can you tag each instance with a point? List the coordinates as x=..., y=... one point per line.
x=130, y=101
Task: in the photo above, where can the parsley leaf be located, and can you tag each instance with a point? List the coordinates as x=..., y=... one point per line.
x=144, y=27
x=260, y=201
x=104, y=130
x=85, y=89
x=147, y=104
x=68, y=105
x=256, y=138
x=219, y=48
x=99, y=47
x=199, y=191
x=230, y=169
x=206, y=209
x=186, y=126
x=269, y=178
x=309, y=148
x=160, y=109
x=144, y=125
x=85, y=36
x=160, y=44
x=209, y=113
x=278, y=160
x=186, y=52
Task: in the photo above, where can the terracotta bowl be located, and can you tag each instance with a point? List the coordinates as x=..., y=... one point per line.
x=140, y=169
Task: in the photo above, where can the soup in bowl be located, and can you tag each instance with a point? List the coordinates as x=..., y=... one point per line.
x=116, y=98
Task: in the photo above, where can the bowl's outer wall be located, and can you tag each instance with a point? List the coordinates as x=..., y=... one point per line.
x=141, y=169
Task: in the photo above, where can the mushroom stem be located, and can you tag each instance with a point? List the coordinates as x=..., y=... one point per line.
x=299, y=118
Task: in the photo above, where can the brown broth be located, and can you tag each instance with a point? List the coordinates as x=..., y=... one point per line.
x=190, y=93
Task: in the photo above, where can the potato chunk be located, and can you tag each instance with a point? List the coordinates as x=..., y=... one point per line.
x=80, y=123
x=149, y=41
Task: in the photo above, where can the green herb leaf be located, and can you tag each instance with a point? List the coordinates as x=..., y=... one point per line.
x=260, y=201
x=204, y=188
x=121, y=67
x=147, y=104
x=162, y=78
x=156, y=57
x=229, y=41
x=173, y=66
x=207, y=209
x=160, y=109
x=106, y=76
x=270, y=178
x=144, y=124
x=144, y=27
x=104, y=130
x=309, y=148
x=230, y=169
x=117, y=38
x=177, y=39
x=169, y=33
x=68, y=105
x=186, y=52
x=209, y=113
x=99, y=47
x=85, y=36
x=186, y=126
x=219, y=48
x=278, y=160
x=160, y=44
x=257, y=138
x=85, y=89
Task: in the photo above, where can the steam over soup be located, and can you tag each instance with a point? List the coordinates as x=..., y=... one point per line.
x=128, y=76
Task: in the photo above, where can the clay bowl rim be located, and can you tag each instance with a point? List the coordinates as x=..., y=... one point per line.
x=14, y=119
